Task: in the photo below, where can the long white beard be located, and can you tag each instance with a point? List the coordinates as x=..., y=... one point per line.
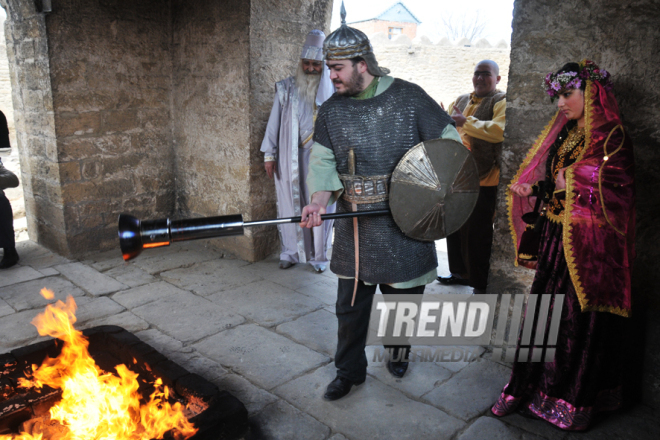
x=307, y=85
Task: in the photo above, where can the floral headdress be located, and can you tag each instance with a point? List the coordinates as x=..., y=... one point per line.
x=555, y=83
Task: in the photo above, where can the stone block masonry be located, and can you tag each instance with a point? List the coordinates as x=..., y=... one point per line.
x=154, y=108
x=443, y=71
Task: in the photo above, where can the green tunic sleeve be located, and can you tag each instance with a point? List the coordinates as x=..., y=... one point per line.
x=323, y=174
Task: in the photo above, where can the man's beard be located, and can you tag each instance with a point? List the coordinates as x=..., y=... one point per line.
x=307, y=85
x=354, y=85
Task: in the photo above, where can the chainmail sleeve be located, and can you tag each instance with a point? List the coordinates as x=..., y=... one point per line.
x=320, y=127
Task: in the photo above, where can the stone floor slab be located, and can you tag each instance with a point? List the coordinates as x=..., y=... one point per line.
x=127, y=320
x=489, y=428
x=16, y=329
x=468, y=352
x=533, y=427
x=5, y=309
x=188, y=317
x=198, y=364
x=297, y=277
x=162, y=260
x=36, y=256
x=26, y=295
x=139, y=296
x=211, y=276
x=18, y=274
x=45, y=261
x=420, y=378
x=637, y=423
x=49, y=272
x=130, y=275
x=97, y=309
x=482, y=381
x=366, y=411
x=316, y=330
x=103, y=261
x=281, y=421
x=90, y=279
x=253, y=397
x=325, y=290
x=162, y=343
x=266, y=303
x=260, y=355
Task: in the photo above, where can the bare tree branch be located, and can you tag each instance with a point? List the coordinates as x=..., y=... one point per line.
x=463, y=26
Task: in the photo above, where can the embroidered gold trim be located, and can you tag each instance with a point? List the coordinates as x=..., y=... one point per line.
x=569, y=252
x=526, y=257
x=600, y=172
x=528, y=158
x=555, y=218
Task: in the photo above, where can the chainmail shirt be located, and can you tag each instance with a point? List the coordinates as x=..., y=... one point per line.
x=380, y=130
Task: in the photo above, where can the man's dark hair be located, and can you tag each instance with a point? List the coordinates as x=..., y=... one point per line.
x=356, y=60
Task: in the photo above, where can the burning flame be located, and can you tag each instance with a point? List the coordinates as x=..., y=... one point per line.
x=96, y=404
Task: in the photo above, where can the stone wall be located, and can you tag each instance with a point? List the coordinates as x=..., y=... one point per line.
x=227, y=57
x=6, y=104
x=546, y=34
x=111, y=83
x=277, y=33
x=152, y=108
x=444, y=70
x=29, y=69
x=210, y=107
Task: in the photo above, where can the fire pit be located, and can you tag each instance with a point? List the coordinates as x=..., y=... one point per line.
x=215, y=414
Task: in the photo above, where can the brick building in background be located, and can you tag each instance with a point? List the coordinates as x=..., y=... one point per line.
x=395, y=21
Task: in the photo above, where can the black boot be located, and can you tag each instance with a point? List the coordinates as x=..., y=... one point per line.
x=9, y=259
x=399, y=366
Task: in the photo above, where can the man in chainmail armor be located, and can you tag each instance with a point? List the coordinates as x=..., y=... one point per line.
x=360, y=135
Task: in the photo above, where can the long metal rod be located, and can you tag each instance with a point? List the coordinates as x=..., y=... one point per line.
x=279, y=221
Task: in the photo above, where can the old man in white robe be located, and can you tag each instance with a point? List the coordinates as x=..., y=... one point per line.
x=287, y=147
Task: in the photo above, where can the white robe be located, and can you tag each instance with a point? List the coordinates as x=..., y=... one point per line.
x=289, y=125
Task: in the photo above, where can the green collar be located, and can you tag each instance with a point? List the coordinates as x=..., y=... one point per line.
x=370, y=91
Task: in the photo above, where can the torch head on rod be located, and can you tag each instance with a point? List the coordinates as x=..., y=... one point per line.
x=135, y=235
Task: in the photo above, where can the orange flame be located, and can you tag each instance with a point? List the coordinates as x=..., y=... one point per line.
x=95, y=404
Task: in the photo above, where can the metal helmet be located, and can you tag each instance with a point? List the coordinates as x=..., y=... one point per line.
x=347, y=42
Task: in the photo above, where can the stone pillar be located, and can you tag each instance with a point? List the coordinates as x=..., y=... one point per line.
x=227, y=57
x=277, y=33
x=584, y=30
x=154, y=108
x=29, y=67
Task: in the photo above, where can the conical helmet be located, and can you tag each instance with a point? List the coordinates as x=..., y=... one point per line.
x=347, y=42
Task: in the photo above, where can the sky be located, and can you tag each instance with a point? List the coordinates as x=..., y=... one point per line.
x=498, y=12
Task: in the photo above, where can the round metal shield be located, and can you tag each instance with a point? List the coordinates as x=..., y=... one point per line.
x=434, y=189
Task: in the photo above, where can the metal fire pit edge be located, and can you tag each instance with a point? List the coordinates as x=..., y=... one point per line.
x=224, y=418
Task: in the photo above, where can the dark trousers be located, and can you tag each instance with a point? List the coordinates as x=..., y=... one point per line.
x=350, y=359
x=469, y=248
x=6, y=223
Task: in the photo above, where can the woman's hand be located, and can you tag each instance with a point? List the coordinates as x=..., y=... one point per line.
x=561, y=180
x=521, y=189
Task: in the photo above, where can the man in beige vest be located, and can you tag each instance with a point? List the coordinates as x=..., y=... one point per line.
x=479, y=118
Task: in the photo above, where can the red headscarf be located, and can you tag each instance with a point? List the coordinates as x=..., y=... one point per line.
x=599, y=216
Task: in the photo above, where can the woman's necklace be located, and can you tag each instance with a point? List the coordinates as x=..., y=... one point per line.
x=575, y=137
